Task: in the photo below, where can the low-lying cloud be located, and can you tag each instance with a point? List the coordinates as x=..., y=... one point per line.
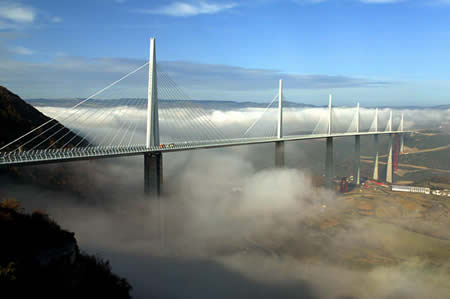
x=229, y=225
x=227, y=229
x=127, y=125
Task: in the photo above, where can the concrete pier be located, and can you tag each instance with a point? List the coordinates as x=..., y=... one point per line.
x=389, y=169
x=402, y=143
x=375, y=166
x=329, y=162
x=358, y=159
x=153, y=174
x=279, y=154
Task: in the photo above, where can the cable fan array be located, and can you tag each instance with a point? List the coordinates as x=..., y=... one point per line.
x=265, y=125
x=111, y=122
x=182, y=119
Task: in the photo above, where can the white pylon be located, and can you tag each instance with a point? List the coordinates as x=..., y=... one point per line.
x=357, y=118
x=390, y=121
x=280, y=111
x=402, y=137
x=152, y=100
x=376, y=119
x=401, y=123
x=329, y=115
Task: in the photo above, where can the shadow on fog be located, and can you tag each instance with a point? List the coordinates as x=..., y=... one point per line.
x=160, y=277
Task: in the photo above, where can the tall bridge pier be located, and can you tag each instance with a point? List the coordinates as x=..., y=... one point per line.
x=358, y=160
x=279, y=154
x=329, y=162
x=389, y=169
x=153, y=174
x=375, y=166
x=402, y=143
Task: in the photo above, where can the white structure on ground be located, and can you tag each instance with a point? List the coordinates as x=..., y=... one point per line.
x=412, y=189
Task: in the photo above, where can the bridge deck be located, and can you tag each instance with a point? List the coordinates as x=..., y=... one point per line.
x=76, y=154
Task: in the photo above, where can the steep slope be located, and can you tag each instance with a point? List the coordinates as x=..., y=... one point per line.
x=17, y=118
x=39, y=259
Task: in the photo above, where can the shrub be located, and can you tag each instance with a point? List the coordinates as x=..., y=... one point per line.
x=8, y=273
x=10, y=203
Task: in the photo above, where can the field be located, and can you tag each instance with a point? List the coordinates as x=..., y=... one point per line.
x=370, y=232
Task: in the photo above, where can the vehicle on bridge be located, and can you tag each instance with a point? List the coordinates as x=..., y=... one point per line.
x=170, y=145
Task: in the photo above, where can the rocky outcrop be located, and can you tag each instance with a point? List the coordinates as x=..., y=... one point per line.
x=38, y=259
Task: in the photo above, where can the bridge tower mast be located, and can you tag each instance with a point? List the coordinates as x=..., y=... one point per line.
x=402, y=136
x=330, y=115
x=279, y=145
x=152, y=96
x=280, y=110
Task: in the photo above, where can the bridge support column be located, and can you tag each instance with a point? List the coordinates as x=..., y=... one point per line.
x=358, y=159
x=375, y=167
x=402, y=143
x=389, y=172
x=329, y=163
x=279, y=154
x=153, y=173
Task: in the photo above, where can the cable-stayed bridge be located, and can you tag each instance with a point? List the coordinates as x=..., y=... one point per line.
x=168, y=121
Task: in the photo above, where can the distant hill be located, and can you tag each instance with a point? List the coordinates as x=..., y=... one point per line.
x=438, y=107
x=18, y=117
x=442, y=106
x=216, y=105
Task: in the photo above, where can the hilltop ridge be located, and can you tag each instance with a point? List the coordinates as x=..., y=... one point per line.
x=215, y=104
x=17, y=117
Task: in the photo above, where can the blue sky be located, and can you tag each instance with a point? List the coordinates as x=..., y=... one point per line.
x=379, y=52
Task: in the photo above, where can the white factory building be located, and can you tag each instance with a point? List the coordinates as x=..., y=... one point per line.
x=412, y=189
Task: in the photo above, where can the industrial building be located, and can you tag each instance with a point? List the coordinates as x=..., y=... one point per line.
x=412, y=189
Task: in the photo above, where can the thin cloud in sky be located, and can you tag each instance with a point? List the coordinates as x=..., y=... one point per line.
x=185, y=9
x=445, y=2
x=14, y=15
x=16, y=12
x=56, y=19
x=380, y=1
x=239, y=78
x=21, y=50
x=309, y=1
x=78, y=76
x=362, y=1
